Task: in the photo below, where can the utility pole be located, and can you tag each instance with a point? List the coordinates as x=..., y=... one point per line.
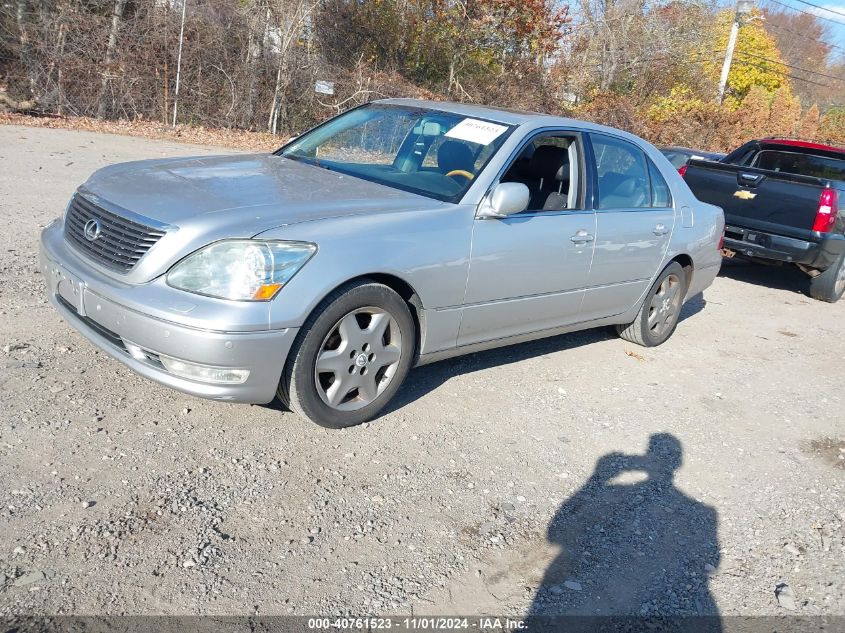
x=742, y=8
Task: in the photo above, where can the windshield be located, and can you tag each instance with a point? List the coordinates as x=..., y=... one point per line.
x=804, y=164
x=429, y=152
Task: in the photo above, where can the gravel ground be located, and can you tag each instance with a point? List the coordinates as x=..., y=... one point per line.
x=576, y=474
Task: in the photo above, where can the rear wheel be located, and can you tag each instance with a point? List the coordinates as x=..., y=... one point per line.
x=830, y=285
x=660, y=311
x=351, y=357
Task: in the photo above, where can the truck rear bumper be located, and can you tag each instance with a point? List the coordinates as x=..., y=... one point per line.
x=753, y=243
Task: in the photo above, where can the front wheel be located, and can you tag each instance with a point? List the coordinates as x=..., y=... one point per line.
x=660, y=311
x=350, y=357
x=830, y=285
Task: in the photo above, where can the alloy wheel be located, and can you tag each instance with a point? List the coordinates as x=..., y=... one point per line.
x=358, y=359
x=665, y=305
x=839, y=286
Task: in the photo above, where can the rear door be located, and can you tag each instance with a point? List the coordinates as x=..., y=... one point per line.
x=634, y=223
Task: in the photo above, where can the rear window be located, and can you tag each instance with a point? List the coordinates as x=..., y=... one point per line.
x=804, y=164
x=678, y=159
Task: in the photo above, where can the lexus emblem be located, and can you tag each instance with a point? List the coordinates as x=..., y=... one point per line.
x=92, y=230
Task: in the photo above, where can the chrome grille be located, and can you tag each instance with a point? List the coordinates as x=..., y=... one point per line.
x=120, y=243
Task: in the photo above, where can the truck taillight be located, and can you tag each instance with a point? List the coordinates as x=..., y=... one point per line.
x=683, y=170
x=722, y=240
x=826, y=213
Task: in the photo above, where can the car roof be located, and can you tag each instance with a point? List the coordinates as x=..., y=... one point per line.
x=506, y=115
x=501, y=115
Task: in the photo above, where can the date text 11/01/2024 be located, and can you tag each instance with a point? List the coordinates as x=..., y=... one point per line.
x=481, y=623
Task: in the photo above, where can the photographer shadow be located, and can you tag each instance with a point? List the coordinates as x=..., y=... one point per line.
x=633, y=555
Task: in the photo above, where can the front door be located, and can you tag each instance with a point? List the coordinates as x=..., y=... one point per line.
x=528, y=272
x=634, y=223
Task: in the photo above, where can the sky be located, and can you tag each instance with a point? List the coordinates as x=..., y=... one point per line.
x=837, y=31
x=834, y=22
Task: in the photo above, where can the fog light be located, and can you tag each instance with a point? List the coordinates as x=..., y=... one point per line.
x=203, y=373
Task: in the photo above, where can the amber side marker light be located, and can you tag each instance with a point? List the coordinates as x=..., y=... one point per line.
x=266, y=292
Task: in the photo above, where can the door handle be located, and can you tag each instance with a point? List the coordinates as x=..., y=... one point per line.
x=660, y=230
x=581, y=237
x=750, y=178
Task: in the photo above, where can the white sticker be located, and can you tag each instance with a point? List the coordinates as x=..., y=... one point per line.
x=475, y=131
x=324, y=87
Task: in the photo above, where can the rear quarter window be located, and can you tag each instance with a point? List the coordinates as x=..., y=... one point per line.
x=660, y=195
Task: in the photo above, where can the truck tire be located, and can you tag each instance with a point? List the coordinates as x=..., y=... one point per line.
x=830, y=285
x=350, y=357
x=658, y=316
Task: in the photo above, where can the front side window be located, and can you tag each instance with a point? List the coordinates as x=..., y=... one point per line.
x=623, y=180
x=428, y=152
x=549, y=166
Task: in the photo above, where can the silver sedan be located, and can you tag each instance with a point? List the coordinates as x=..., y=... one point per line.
x=399, y=233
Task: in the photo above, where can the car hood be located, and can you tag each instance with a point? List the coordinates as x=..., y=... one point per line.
x=220, y=188
x=204, y=199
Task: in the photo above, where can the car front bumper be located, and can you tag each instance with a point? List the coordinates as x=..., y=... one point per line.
x=97, y=307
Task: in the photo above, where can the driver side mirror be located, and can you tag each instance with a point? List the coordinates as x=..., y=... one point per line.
x=506, y=199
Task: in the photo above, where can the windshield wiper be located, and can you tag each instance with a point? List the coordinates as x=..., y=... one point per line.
x=317, y=163
x=308, y=161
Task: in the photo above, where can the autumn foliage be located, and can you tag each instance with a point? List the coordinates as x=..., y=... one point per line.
x=253, y=64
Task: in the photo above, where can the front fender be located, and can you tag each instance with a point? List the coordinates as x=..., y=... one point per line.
x=428, y=249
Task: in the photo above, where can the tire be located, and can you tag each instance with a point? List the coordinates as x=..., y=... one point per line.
x=830, y=285
x=658, y=317
x=364, y=337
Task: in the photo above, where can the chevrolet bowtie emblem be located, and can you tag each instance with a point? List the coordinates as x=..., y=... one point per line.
x=744, y=195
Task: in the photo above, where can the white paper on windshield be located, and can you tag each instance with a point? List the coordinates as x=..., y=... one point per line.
x=475, y=131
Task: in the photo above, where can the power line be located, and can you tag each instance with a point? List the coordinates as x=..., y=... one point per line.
x=709, y=56
x=780, y=72
x=702, y=56
x=815, y=15
x=815, y=6
x=783, y=29
x=803, y=70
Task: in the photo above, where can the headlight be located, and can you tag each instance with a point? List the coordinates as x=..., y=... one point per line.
x=245, y=270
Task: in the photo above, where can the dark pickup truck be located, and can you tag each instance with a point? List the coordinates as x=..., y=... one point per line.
x=781, y=201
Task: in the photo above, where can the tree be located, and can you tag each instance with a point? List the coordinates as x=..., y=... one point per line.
x=810, y=123
x=801, y=38
x=639, y=50
x=291, y=17
x=684, y=118
x=756, y=62
x=752, y=116
x=117, y=17
x=832, y=126
x=444, y=44
x=784, y=113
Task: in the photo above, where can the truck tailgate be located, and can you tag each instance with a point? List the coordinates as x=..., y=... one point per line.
x=757, y=198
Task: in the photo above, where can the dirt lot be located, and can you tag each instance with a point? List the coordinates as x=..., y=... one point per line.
x=120, y=496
